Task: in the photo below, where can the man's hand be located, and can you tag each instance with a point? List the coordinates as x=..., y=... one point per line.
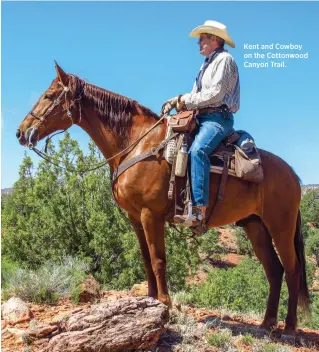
x=173, y=103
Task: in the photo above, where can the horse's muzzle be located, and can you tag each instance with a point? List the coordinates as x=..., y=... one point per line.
x=29, y=138
x=21, y=137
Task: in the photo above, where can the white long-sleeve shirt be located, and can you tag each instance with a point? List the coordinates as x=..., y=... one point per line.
x=220, y=85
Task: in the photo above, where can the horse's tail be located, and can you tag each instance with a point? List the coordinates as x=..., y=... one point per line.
x=303, y=297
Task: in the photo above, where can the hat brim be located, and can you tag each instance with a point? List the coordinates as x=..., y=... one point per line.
x=196, y=32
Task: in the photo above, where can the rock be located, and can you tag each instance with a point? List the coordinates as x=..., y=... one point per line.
x=115, y=295
x=16, y=332
x=16, y=311
x=41, y=330
x=5, y=334
x=140, y=289
x=226, y=317
x=60, y=316
x=90, y=290
x=129, y=323
x=37, y=308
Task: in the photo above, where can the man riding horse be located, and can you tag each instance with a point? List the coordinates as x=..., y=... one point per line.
x=215, y=96
x=131, y=138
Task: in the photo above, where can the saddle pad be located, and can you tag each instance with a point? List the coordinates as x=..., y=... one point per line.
x=217, y=164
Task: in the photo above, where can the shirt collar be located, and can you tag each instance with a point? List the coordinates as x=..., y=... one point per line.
x=217, y=50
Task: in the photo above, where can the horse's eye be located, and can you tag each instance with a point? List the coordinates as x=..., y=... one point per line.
x=48, y=96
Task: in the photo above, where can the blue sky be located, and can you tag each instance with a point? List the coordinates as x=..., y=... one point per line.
x=142, y=50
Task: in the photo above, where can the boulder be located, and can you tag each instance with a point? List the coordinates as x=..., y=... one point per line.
x=16, y=311
x=90, y=290
x=127, y=324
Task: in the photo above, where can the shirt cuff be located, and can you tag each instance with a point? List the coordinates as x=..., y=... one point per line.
x=188, y=101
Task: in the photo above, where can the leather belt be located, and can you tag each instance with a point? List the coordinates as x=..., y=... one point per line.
x=207, y=110
x=223, y=109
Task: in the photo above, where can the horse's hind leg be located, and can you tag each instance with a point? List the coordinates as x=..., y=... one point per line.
x=264, y=250
x=283, y=235
x=154, y=233
x=151, y=280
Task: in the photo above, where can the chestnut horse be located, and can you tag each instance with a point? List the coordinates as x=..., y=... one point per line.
x=268, y=212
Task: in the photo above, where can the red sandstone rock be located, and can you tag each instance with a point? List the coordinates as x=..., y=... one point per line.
x=131, y=323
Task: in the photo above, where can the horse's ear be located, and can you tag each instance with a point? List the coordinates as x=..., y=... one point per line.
x=63, y=77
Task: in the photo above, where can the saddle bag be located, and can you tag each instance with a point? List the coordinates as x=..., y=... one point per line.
x=248, y=168
x=184, y=121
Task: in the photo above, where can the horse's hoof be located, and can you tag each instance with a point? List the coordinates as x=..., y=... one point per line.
x=289, y=335
x=166, y=300
x=291, y=339
x=268, y=327
x=261, y=332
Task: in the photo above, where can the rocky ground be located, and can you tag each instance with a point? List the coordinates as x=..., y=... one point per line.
x=189, y=329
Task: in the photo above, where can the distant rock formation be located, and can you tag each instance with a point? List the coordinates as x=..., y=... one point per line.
x=6, y=191
x=307, y=188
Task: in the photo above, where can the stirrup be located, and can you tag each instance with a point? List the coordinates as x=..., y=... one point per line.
x=199, y=230
x=187, y=221
x=190, y=219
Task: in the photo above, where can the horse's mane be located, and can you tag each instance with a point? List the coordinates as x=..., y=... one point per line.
x=115, y=110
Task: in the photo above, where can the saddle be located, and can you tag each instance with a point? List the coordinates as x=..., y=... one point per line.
x=243, y=159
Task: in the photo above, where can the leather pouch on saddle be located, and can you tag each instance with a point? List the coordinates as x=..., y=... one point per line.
x=184, y=121
x=248, y=168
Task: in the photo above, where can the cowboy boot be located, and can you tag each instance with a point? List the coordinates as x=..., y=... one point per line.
x=200, y=228
x=197, y=218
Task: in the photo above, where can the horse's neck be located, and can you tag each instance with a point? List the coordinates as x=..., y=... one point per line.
x=111, y=144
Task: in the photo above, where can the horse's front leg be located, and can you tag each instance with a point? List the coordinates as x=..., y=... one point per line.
x=154, y=232
x=151, y=280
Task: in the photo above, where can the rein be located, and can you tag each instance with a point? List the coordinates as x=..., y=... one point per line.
x=98, y=165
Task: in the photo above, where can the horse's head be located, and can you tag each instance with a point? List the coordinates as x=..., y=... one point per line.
x=52, y=111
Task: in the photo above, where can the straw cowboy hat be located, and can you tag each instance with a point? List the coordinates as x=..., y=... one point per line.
x=213, y=27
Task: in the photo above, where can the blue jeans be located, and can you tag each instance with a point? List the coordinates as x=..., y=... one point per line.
x=213, y=128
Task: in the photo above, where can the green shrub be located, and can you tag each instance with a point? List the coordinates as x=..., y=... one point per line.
x=182, y=257
x=312, y=244
x=75, y=293
x=266, y=346
x=8, y=269
x=221, y=339
x=315, y=312
x=243, y=244
x=247, y=340
x=48, y=282
x=309, y=208
x=242, y=289
x=310, y=272
x=245, y=289
x=183, y=297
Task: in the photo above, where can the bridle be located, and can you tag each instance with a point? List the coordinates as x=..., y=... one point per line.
x=56, y=102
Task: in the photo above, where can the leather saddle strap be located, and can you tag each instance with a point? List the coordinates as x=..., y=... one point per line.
x=129, y=163
x=172, y=179
x=221, y=190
